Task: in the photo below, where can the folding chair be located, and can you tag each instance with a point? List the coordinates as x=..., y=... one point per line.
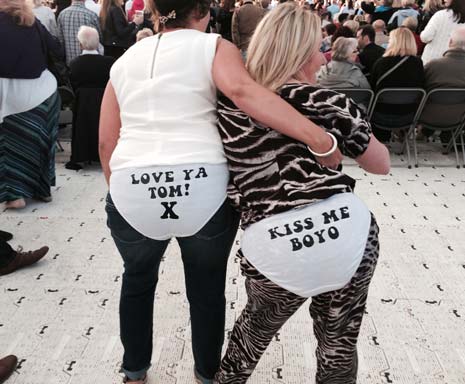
x=405, y=123
x=443, y=109
x=66, y=113
x=362, y=97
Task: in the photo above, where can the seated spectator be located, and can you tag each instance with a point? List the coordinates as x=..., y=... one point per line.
x=328, y=32
x=89, y=74
x=353, y=25
x=46, y=16
x=381, y=38
x=333, y=8
x=412, y=24
x=243, y=24
x=146, y=32
x=326, y=19
x=340, y=18
x=348, y=8
x=340, y=32
x=383, y=11
x=446, y=72
x=369, y=51
x=342, y=71
x=398, y=68
x=399, y=16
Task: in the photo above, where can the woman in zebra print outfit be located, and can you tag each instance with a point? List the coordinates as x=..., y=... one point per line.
x=272, y=174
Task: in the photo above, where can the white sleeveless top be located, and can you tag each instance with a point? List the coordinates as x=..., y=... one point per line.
x=168, y=171
x=167, y=101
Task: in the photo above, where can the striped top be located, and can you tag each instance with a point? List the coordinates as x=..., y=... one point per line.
x=273, y=173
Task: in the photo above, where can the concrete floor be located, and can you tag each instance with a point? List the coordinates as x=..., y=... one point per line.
x=60, y=315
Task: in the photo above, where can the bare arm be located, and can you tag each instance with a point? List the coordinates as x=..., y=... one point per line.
x=110, y=125
x=231, y=78
x=376, y=158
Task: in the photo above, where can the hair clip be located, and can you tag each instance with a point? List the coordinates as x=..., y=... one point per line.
x=171, y=15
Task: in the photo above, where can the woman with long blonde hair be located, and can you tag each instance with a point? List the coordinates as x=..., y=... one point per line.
x=29, y=106
x=305, y=233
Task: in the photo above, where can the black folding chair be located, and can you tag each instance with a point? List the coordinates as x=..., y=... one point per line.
x=66, y=113
x=362, y=97
x=443, y=109
x=392, y=99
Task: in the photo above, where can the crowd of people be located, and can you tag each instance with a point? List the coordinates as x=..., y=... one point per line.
x=207, y=115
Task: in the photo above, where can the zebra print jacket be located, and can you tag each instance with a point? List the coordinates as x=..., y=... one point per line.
x=272, y=173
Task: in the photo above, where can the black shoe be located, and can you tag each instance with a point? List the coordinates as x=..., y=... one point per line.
x=5, y=236
x=23, y=259
x=73, y=166
x=7, y=367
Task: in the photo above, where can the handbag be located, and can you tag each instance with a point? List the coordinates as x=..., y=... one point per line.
x=387, y=73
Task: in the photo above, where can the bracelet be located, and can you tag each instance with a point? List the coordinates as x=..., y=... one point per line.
x=330, y=152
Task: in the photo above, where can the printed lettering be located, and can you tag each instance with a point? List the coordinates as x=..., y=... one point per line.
x=296, y=244
x=187, y=173
x=145, y=178
x=288, y=230
x=308, y=223
x=274, y=233
x=134, y=181
x=308, y=241
x=169, y=176
x=344, y=212
x=298, y=227
x=320, y=236
x=201, y=173
x=169, y=213
x=333, y=233
x=330, y=216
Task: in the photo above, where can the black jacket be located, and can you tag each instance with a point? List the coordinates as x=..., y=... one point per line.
x=369, y=56
x=409, y=74
x=117, y=31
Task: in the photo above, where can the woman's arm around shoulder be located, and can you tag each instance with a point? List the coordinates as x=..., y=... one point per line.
x=232, y=79
x=376, y=158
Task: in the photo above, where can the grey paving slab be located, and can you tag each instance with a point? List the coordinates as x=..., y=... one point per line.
x=60, y=315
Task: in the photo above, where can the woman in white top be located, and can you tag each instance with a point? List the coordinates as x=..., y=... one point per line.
x=46, y=17
x=437, y=33
x=163, y=159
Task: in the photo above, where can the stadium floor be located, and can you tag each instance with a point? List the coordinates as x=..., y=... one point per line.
x=60, y=315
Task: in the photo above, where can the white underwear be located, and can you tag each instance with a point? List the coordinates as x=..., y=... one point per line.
x=313, y=249
x=169, y=201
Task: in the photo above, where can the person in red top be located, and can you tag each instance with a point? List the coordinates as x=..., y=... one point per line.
x=137, y=5
x=412, y=24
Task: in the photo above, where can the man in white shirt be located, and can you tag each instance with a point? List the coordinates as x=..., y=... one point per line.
x=90, y=4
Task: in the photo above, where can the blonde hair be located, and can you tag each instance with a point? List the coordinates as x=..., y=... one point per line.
x=343, y=48
x=410, y=23
x=19, y=10
x=401, y=43
x=407, y=3
x=432, y=5
x=352, y=25
x=282, y=44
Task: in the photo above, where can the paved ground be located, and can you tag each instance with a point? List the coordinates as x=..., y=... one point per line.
x=60, y=316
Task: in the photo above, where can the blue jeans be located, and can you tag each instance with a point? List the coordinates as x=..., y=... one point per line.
x=205, y=256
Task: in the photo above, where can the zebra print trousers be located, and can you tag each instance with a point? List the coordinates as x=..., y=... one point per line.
x=337, y=317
